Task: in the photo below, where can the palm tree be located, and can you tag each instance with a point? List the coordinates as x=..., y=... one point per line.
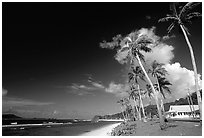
x=136, y=74
x=126, y=103
x=134, y=107
x=158, y=71
x=163, y=84
x=133, y=95
x=121, y=102
x=185, y=16
x=131, y=46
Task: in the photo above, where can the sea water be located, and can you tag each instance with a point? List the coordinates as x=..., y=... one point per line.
x=69, y=129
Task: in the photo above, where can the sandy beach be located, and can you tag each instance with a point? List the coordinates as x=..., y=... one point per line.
x=104, y=131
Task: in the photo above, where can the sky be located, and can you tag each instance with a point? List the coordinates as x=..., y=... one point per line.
x=53, y=67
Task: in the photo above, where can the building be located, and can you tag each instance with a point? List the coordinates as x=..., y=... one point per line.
x=183, y=111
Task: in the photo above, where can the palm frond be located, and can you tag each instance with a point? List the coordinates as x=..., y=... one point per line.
x=141, y=56
x=171, y=26
x=193, y=15
x=168, y=18
x=187, y=8
x=173, y=8
x=130, y=76
x=144, y=47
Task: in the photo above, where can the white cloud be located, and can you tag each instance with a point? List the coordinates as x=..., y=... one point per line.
x=181, y=79
x=118, y=89
x=150, y=33
x=162, y=53
x=4, y=92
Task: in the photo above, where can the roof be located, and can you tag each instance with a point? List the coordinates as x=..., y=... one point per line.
x=182, y=108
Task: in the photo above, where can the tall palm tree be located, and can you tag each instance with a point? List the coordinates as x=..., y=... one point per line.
x=132, y=45
x=134, y=76
x=179, y=18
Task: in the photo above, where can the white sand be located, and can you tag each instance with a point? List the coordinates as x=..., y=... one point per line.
x=104, y=131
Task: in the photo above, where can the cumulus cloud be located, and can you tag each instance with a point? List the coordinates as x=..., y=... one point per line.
x=181, y=79
x=150, y=33
x=4, y=92
x=118, y=89
x=162, y=53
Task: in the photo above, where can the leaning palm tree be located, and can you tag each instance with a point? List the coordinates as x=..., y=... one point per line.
x=134, y=76
x=179, y=18
x=130, y=48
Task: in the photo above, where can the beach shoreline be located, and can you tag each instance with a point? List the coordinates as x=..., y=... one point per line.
x=103, y=131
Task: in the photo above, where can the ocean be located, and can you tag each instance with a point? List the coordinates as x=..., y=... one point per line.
x=73, y=129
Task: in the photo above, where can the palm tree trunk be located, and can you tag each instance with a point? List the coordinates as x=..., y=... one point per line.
x=139, y=115
x=141, y=102
x=191, y=101
x=162, y=104
x=126, y=113
x=161, y=119
x=190, y=106
x=195, y=71
x=123, y=113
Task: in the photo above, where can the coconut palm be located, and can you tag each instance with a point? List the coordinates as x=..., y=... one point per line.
x=158, y=72
x=134, y=76
x=180, y=18
x=130, y=47
x=163, y=85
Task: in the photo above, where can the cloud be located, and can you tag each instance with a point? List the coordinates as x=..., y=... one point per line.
x=181, y=79
x=162, y=53
x=95, y=83
x=167, y=37
x=150, y=33
x=98, y=85
x=118, y=89
x=4, y=92
x=80, y=90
